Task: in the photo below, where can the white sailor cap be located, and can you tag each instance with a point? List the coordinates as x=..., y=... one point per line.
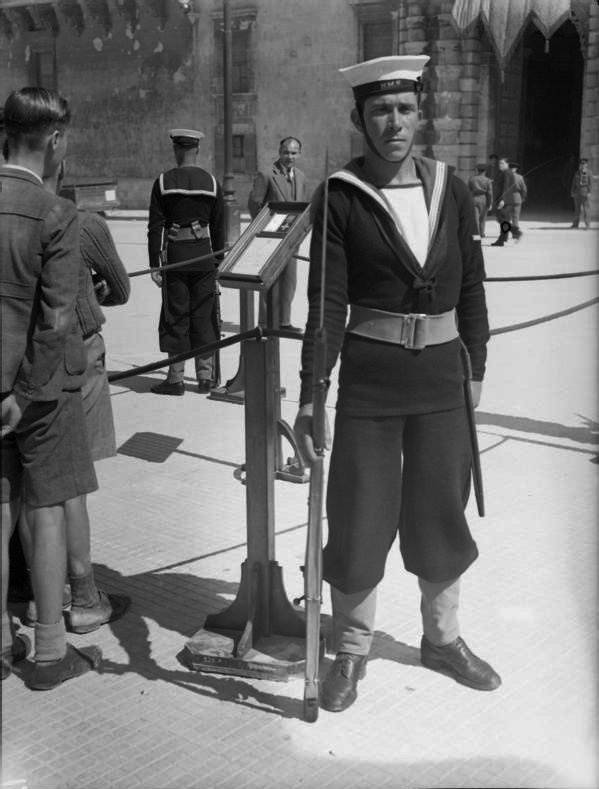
x=394, y=74
x=185, y=137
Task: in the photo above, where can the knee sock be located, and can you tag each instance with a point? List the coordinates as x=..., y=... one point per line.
x=50, y=642
x=84, y=592
x=353, y=620
x=439, y=609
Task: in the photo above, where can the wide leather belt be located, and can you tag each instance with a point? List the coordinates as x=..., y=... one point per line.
x=194, y=232
x=414, y=330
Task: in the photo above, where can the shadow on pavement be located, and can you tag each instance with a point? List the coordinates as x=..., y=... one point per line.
x=587, y=434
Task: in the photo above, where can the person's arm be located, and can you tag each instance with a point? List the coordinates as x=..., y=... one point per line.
x=100, y=255
x=336, y=286
x=155, y=226
x=257, y=196
x=473, y=324
x=524, y=189
x=37, y=379
x=217, y=223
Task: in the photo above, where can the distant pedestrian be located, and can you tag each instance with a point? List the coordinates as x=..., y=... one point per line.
x=518, y=198
x=582, y=183
x=283, y=182
x=186, y=221
x=481, y=189
x=492, y=172
x=505, y=182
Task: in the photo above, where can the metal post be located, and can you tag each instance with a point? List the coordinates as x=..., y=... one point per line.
x=231, y=207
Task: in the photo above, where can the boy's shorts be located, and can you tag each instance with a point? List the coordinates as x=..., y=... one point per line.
x=96, y=400
x=46, y=459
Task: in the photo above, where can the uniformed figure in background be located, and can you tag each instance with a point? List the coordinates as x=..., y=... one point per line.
x=283, y=182
x=481, y=189
x=518, y=198
x=403, y=254
x=505, y=183
x=186, y=221
x=580, y=191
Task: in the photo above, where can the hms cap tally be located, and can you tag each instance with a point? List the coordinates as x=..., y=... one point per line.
x=386, y=75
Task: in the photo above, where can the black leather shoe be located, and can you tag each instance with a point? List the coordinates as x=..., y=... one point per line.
x=165, y=388
x=77, y=661
x=497, y=244
x=456, y=660
x=339, y=689
x=206, y=386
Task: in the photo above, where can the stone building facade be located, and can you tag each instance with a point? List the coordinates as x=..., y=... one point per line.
x=134, y=69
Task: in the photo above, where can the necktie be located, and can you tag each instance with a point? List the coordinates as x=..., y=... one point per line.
x=291, y=180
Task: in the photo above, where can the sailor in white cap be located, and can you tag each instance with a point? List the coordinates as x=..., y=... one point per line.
x=404, y=255
x=186, y=221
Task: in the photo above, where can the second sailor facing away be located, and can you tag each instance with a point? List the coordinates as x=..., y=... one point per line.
x=186, y=222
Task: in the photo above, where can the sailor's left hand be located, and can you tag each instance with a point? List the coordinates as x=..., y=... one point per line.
x=476, y=388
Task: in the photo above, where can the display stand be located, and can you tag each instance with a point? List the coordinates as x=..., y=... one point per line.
x=255, y=263
x=260, y=634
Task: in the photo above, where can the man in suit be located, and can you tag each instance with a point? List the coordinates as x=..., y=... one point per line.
x=284, y=182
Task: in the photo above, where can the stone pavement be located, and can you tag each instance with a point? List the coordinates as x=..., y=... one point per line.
x=169, y=529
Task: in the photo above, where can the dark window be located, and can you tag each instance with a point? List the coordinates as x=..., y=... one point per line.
x=377, y=38
x=243, y=153
x=42, y=63
x=241, y=61
x=241, y=71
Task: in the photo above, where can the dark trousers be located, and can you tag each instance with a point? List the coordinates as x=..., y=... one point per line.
x=287, y=287
x=480, y=213
x=187, y=317
x=406, y=475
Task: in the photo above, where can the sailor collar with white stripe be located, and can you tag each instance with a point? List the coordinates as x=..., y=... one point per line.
x=432, y=173
x=173, y=190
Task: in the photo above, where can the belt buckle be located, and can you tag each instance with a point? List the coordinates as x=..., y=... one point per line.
x=409, y=334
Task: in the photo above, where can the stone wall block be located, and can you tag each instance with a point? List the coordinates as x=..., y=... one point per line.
x=468, y=85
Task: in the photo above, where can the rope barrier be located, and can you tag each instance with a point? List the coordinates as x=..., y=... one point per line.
x=517, y=279
x=544, y=319
x=171, y=266
x=253, y=334
x=543, y=276
x=258, y=333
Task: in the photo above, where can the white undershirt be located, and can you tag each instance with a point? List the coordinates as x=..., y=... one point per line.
x=411, y=216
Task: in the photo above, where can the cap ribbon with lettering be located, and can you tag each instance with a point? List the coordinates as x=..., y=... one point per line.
x=394, y=74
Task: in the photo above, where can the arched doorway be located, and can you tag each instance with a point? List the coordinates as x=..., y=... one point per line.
x=551, y=106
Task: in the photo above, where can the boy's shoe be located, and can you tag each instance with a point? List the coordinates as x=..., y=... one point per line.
x=77, y=661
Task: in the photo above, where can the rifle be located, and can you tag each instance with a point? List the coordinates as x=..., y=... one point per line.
x=477, y=476
x=218, y=325
x=313, y=561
